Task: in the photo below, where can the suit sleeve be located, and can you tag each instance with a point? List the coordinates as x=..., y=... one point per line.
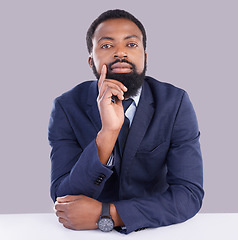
x=74, y=170
x=183, y=198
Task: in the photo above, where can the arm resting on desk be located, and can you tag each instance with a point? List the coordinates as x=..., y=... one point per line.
x=73, y=170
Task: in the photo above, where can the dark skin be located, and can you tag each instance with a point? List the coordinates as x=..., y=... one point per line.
x=114, y=38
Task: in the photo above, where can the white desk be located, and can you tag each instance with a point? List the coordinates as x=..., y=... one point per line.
x=46, y=227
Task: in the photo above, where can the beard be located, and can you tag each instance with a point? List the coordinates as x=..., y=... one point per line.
x=133, y=80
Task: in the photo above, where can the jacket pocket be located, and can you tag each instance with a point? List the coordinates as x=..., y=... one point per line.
x=154, y=152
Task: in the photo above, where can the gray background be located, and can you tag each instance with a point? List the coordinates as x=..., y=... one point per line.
x=191, y=44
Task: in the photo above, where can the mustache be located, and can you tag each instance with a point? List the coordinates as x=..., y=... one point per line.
x=109, y=66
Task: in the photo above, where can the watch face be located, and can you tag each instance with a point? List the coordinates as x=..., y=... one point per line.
x=105, y=224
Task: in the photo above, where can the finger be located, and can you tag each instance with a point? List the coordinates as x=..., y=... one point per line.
x=111, y=85
x=118, y=83
x=110, y=92
x=63, y=199
x=67, y=198
x=65, y=223
x=61, y=214
x=59, y=206
x=103, y=83
x=121, y=85
x=102, y=76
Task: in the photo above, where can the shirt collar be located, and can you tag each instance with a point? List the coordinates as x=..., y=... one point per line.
x=136, y=98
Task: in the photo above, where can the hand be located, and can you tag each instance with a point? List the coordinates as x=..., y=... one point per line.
x=78, y=212
x=112, y=113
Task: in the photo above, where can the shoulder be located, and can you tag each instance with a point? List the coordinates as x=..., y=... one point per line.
x=79, y=92
x=80, y=89
x=162, y=90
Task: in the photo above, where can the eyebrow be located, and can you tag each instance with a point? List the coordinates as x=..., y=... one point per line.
x=131, y=36
x=110, y=38
x=106, y=38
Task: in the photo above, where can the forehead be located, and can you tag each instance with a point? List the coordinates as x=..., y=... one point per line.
x=117, y=28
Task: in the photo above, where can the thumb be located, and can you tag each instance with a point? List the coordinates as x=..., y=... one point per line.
x=68, y=198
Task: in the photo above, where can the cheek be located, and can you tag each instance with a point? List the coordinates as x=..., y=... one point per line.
x=140, y=62
x=97, y=65
x=99, y=61
x=96, y=59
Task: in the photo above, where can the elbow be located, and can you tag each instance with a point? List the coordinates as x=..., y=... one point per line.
x=53, y=192
x=191, y=203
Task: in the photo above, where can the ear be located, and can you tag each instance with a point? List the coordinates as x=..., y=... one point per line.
x=146, y=55
x=90, y=61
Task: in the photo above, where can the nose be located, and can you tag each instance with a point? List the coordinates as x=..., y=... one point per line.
x=120, y=53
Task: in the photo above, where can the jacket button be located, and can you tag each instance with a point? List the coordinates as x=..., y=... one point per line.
x=102, y=176
x=96, y=182
x=99, y=179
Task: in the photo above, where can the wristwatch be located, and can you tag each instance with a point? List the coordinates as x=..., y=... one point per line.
x=105, y=222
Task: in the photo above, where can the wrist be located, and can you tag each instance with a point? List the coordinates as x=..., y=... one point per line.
x=105, y=142
x=105, y=222
x=109, y=132
x=115, y=216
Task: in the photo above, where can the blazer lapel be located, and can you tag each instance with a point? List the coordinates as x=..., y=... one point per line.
x=141, y=121
x=92, y=111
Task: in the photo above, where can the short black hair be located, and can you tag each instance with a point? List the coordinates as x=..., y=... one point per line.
x=112, y=14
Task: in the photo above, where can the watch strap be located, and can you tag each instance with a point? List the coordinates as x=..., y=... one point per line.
x=105, y=210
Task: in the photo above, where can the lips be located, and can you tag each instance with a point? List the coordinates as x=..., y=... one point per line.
x=121, y=67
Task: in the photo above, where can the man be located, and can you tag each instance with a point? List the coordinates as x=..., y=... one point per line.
x=104, y=176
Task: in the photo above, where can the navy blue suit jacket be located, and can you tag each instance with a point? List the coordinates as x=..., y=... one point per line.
x=161, y=177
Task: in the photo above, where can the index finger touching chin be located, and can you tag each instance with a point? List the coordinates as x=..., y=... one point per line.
x=102, y=76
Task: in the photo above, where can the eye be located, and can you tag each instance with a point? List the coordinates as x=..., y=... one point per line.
x=106, y=46
x=132, y=45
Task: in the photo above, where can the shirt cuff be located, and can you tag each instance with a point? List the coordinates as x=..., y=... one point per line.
x=110, y=163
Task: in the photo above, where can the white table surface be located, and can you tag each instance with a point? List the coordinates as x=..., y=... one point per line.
x=45, y=226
